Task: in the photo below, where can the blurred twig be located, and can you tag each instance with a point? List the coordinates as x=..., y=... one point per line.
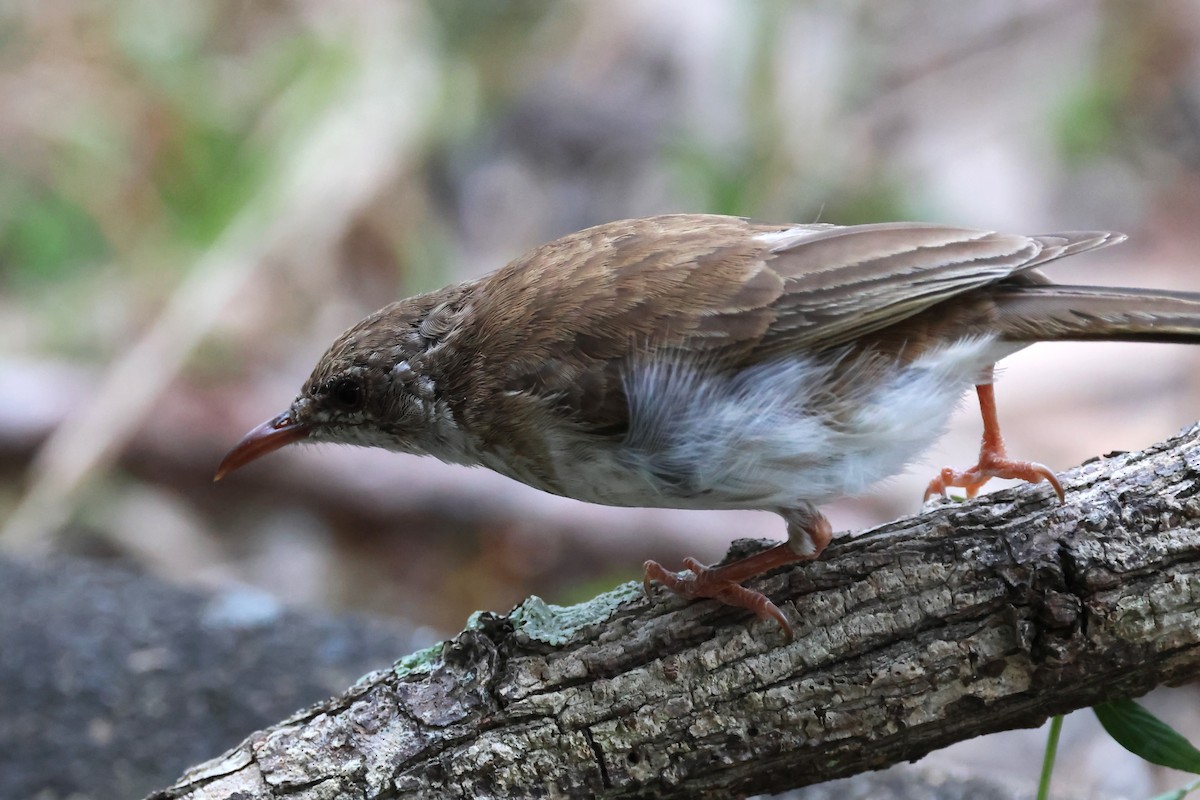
x=352, y=148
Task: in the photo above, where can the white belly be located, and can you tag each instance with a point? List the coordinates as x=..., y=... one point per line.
x=766, y=438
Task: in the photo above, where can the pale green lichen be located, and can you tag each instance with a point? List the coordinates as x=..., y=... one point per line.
x=555, y=625
x=474, y=622
x=420, y=661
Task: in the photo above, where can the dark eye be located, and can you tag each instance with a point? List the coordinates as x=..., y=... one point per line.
x=346, y=393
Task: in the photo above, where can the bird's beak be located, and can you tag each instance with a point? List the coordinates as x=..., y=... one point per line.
x=271, y=435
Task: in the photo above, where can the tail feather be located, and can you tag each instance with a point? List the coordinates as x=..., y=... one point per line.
x=1052, y=312
x=1068, y=243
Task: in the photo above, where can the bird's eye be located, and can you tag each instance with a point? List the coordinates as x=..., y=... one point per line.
x=347, y=394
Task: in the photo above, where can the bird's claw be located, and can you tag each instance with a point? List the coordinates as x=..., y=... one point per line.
x=707, y=582
x=974, y=478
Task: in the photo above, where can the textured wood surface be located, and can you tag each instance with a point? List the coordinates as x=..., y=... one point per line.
x=968, y=619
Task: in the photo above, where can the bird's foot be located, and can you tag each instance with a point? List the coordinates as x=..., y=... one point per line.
x=723, y=583
x=993, y=460
x=993, y=465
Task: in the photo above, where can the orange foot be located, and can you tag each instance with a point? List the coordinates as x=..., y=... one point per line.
x=724, y=583
x=993, y=461
x=992, y=465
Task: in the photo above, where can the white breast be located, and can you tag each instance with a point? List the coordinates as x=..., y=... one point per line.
x=797, y=429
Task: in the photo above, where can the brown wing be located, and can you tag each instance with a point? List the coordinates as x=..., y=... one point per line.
x=565, y=319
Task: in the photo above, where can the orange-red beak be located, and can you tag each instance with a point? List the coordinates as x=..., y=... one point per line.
x=271, y=435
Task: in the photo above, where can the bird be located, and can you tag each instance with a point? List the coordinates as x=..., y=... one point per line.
x=712, y=362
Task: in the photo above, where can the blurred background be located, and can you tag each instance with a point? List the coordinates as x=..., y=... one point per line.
x=196, y=198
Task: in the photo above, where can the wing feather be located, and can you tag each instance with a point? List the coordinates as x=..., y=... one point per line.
x=568, y=319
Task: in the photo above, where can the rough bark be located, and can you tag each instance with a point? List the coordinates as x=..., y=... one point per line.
x=968, y=619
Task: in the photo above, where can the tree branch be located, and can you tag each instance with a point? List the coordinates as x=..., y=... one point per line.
x=968, y=619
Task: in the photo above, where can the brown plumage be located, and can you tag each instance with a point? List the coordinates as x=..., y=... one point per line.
x=701, y=361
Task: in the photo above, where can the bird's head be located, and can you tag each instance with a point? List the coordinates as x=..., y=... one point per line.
x=373, y=387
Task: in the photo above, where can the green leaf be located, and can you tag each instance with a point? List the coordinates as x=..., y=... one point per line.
x=1179, y=794
x=1145, y=735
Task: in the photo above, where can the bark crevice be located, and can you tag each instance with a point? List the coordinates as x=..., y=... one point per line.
x=971, y=618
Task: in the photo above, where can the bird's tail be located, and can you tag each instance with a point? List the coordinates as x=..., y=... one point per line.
x=1052, y=312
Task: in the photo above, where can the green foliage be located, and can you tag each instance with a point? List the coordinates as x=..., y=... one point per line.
x=468, y=27
x=1139, y=732
x=491, y=41
x=1145, y=735
x=1088, y=121
x=1048, y=758
x=1096, y=113
x=212, y=160
x=877, y=200
x=732, y=183
x=1180, y=793
x=45, y=237
x=206, y=174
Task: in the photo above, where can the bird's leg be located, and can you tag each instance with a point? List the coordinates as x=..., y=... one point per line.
x=808, y=534
x=993, y=460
